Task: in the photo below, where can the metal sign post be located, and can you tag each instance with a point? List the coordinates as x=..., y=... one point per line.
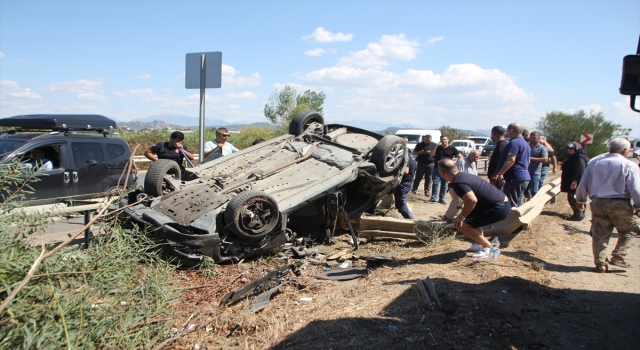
x=203, y=70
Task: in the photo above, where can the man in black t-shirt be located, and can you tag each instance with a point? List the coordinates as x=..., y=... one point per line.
x=483, y=205
x=497, y=135
x=170, y=150
x=443, y=151
x=425, y=159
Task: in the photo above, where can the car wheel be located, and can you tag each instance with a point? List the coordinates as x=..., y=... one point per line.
x=303, y=121
x=389, y=154
x=154, y=182
x=252, y=214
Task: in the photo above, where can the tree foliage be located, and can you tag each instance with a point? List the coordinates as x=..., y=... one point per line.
x=285, y=102
x=562, y=128
x=452, y=133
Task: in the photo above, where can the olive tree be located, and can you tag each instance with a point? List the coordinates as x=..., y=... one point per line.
x=561, y=128
x=285, y=102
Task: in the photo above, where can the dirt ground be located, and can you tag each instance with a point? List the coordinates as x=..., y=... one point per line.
x=542, y=294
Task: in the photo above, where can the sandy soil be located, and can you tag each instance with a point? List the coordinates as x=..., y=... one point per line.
x=543, y=293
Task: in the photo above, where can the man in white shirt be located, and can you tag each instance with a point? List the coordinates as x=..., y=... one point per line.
x=220, y=144
x=612, y=182
x=464, y=165
x=38, y=162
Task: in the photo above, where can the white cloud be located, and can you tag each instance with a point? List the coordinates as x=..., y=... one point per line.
x=1, y=54
x=90, y=96
x=463, y=95
x=379, y=54
x=232, y=80
x=321, y=35
x=245, y=95
x=144, y=76
x=315, y=52
x=10, y=89
x=134, y=92
x=432, y=41
x=76, y=86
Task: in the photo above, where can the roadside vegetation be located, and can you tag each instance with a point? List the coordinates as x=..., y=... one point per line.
x=116, y=294
x=561, y=128
x=147, y=138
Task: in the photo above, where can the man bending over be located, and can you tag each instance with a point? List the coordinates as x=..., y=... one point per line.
x=483, y=204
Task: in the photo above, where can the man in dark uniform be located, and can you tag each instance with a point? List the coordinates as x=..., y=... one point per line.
x=401, y=192
x=483, y=205
x=425, y=153
x=170, y=150
x=497, y=135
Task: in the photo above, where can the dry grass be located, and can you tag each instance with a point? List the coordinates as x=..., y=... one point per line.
x=516, y=303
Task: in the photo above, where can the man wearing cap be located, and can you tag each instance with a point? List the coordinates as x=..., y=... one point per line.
x=612, y=182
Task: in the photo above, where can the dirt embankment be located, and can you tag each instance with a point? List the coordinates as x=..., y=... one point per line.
x=543, y=293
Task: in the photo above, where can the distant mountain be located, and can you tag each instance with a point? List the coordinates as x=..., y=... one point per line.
x=155, y=124
x=184, y=120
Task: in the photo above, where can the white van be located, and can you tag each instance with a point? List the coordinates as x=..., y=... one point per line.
x=415, y=136
x=636, y=147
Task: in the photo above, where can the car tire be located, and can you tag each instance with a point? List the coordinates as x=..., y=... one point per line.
x=301, y=121
x=252, y=214
x=154, y=183
x=389, y=155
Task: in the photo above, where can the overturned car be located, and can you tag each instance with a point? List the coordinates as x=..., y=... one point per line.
x=285, y=190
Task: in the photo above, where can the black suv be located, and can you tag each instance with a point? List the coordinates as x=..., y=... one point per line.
x=85, y=162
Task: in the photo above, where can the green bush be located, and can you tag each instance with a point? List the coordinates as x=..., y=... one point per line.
x=116, y=294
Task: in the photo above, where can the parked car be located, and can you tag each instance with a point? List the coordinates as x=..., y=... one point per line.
x=288, y=190
x=85, y=161
x=463, y=146
x=488, y=149
x=480, y=141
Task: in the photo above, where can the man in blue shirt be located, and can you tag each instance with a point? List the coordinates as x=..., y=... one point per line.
x=539, y=155
x=513, y=165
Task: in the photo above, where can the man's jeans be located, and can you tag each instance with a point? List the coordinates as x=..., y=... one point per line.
x=514, y=190
x=533, y=186
x=543, y=176
x=423, y=171
x=439, y=184
x=400, y=194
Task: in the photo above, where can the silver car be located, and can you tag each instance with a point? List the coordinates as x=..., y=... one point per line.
x=291, y=190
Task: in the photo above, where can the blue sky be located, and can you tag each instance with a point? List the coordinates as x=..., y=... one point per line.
x=467, y=64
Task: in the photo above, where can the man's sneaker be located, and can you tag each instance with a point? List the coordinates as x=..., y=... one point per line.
x=483, y=254
x=475, y=248
x=432, y=201
x=442, y=202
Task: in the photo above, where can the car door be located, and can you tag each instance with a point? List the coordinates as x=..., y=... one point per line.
x=88, y=168
x=43, y=187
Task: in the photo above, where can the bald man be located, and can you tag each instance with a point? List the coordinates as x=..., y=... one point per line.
x=513, y=164
x=482, y=204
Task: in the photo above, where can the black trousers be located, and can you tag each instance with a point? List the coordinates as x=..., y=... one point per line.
x=423, y=171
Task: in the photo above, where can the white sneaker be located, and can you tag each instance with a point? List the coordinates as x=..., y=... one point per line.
x=483, y=254
x=475, y=248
